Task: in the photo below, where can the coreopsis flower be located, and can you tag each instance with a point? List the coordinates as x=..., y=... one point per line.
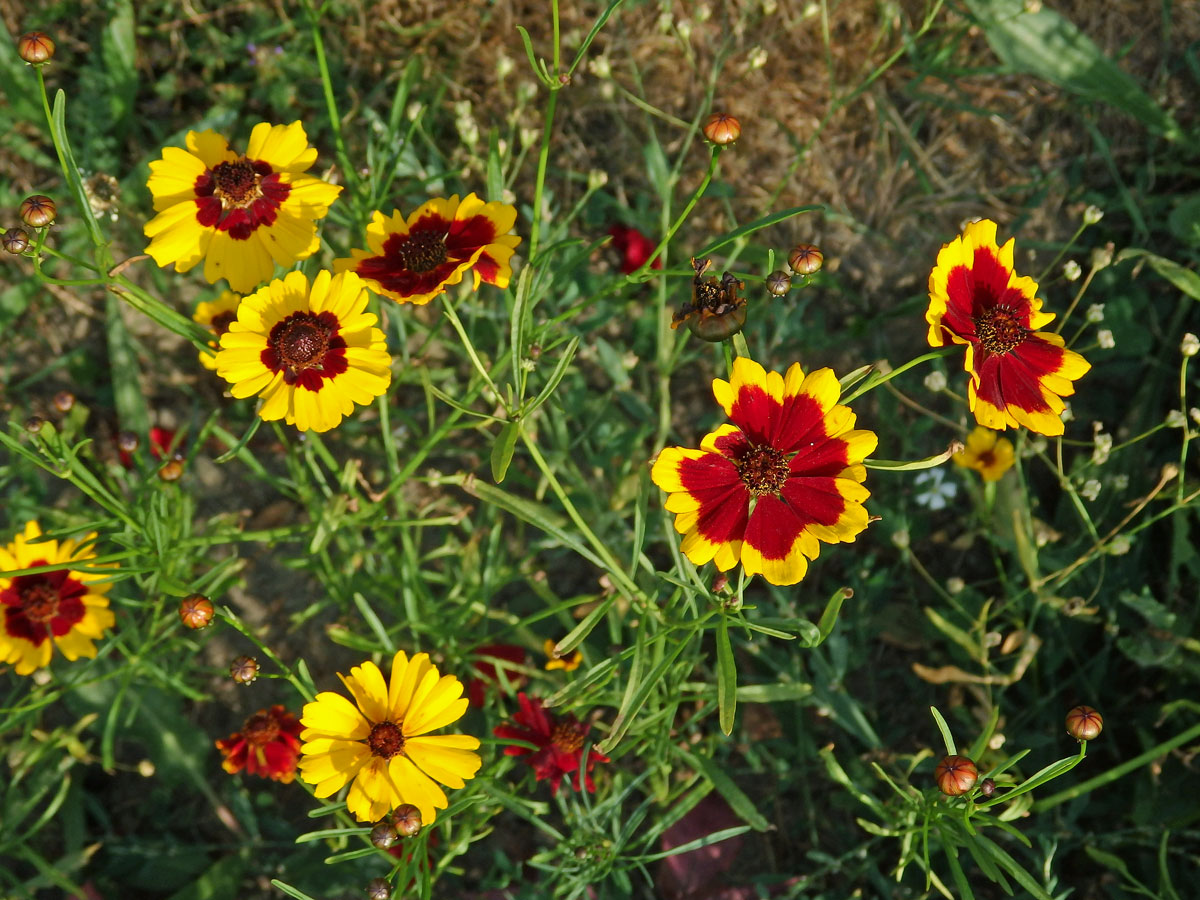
x=568, y=662
x=65, y=607
x=766, y=490
x=635, y=248
x=382, y=739
x=987, y=453
x=559, y=741
x=492, y=660
x=268, y=746
x=413, y=260
x=1019, y=375
x=240, y=214
x=310, y=354
x=216, y=315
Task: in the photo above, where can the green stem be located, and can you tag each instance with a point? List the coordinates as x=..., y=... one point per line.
x=238, y=625
x=1116, y=772
x=335, y=120
x=634, y=276
x=876, y=379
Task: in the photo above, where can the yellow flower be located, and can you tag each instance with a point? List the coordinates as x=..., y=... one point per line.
x=987, y=453
x=568, y=663
x=65, y=607
x=310, y=354
x=382, y=739
x=240, y=214
x=216, y=317
x=413, y=260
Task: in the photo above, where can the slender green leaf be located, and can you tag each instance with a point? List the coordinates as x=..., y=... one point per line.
x=503, y=448
x=726, y=677
x=742, y=806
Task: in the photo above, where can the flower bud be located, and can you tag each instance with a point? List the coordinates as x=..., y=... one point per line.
x=195, y=611
x=778, y=283
x=35, y=48
x=1102, y=256
x=15, y=240
x=935, y=381
x=722, y=129
x=955, y=775
x=1095, y=313
x=38, y=211
x=1071, y=270
x=127, y=442
x=244, y=670
x=383, y=835
x=1092, y=215
x=806, y=259
x=1190, y=345
x=987, y=787
x=406, y=819
x=1084, y=723
x=1104, y=337
x=379, y=889
x=34, y=424
x=171, y=470
x=64, y=401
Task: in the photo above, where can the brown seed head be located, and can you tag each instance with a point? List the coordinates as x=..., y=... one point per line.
x=35, y=48
x=806, y=259
x=38, y=211
x=64, y=401
x=195, y=611
x=34, y=424
x=955, y=775
x=778, y=283
x=379, y=889
x=406, y=819
x=1084, y=723
x=244, y=670
x=15, y=240
x=722, y=129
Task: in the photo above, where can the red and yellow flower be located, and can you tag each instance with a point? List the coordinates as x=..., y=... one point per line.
x=65, y=607
x=268, y=745
x=413, y=260
x=381, y=742
x=240, y=214
x=1019, y=375
x=987, y=453
x=311, y=355
x=767, y=489
x=216, y=315
x=559, y=741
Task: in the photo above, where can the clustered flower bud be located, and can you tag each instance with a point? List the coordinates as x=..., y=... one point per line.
x=955, y=775
x=379, y=889
x=195, y=611
x=15, y=240
x=778, y=283
x=38, y=211
x=1084, y=723
x=722, y=129
x=35, y=48
x=806, y=259
x=244, y=670
x=383, y=835
x=406, y=819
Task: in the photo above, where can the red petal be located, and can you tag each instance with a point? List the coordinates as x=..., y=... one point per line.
x=773, y=528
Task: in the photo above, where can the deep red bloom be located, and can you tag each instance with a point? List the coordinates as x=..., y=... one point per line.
x=559, y=740
x=485, y=668
x=635, y=248
x=268, y=745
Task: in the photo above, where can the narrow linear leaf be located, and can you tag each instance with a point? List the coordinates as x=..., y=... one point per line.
x=726, y=677
x=756, y=225
x=503, y=448
x=741, y=804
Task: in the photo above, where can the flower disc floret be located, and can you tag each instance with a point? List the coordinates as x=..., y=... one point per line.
x=64, y=608
x=414, y=260
x=381, y=742
x=767, y=489
x=310, y=354
x=1019, y=375
x=239, y=214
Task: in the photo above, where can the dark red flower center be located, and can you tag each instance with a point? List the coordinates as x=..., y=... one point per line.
x=43, y=605
x=307, y=348
x=221, y=322
x=386, y=740
x=422, y=251
x=1000, y=329
x=764, y=470
x=239, y=196
x=260, y=729
x=987, y=459
x=567, y=737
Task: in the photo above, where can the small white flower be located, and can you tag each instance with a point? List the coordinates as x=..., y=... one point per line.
x=1095, y=312
x=935, y=381
x=1101, y=444
x=1090, y=490
x=757, y=58
x=1176, y=419
x=1105, y=338
x=1119, y=546
x=1120, y=482
x=1068, y=414
x=1190, y=345
x=939, y=492
x=1071, y=270
x=1092, y=215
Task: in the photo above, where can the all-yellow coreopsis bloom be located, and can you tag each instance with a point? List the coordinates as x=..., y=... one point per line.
x=987, y=453
x=64, y=608
x=311, y=354
x=240, y=214
x=381, y=740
